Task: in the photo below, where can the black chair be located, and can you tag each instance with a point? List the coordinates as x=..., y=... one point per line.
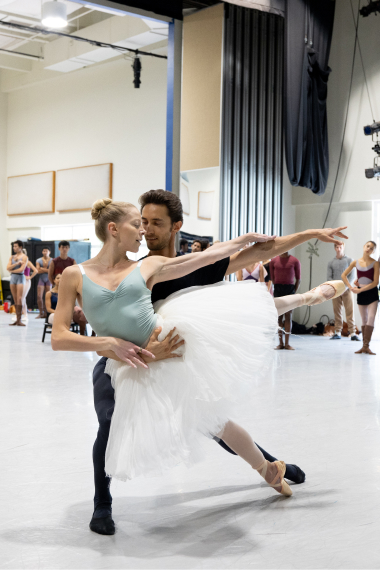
x=74, y=327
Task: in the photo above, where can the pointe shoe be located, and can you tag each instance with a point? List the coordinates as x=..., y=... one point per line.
x=318, y=296
x=281, y=487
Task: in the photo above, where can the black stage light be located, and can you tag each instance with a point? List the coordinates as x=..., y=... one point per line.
x=370, y=8
x=372, y=129
x=372, y=172
x=136, y=72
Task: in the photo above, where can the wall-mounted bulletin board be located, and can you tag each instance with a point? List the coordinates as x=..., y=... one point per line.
x=205, y=203
x=78, y=188
x=31, y=194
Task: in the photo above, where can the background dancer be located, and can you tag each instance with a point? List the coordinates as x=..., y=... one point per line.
x=28, y=282
x=58, y=264
x=16, y=266
x=162, y=219
x=285, y=271
x=335, y=269
x=43, y=285
x=52, y=298
x=367, y=270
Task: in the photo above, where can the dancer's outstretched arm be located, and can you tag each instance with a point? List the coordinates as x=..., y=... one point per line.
x=269, y=249
x=156, y=269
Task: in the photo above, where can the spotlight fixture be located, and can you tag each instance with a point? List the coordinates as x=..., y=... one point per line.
x=54, y=14
x=372, y=129
x=375, y=171
x=372, y=172
x=370, y=8
x=136, y=72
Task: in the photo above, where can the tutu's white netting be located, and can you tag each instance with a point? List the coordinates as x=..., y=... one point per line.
x=161, y=414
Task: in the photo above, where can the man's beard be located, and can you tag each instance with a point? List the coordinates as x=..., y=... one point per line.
x=158, y=245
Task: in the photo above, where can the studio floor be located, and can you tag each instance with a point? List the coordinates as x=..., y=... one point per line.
x=320, y=409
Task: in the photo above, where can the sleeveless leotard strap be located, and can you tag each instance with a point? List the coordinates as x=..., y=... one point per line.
x=81, y=268
x=139, y=263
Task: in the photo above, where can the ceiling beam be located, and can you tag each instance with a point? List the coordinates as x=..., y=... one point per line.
x=15, y=63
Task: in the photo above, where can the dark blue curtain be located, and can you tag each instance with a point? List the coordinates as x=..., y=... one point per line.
x=308, y=32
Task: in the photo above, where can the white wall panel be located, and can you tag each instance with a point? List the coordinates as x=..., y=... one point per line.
x=78, y=188
x=31, y=194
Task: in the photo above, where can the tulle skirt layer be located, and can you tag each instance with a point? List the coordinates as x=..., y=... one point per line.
x=161, y=414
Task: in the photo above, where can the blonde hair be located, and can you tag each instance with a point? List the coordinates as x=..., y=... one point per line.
x=105, y=211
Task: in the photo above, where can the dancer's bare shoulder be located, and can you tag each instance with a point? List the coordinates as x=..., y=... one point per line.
x=71, y=276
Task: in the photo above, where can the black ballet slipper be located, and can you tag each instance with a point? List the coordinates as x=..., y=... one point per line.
x=103, y=525
x=294, y=473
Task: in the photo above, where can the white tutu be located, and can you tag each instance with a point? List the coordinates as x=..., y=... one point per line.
x=161, y=414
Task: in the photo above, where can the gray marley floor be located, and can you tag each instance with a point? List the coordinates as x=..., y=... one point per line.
x=320, y=409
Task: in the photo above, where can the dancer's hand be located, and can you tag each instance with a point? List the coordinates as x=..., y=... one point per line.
x=163, y=349
x=327, y=235
x=130, y=353
x=355, y=290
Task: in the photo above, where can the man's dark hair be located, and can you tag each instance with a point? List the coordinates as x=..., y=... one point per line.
x=183, y=242
x=48, y=248
x=63, y=242
x=19, y=243
x=164, y=198
x=204, y=244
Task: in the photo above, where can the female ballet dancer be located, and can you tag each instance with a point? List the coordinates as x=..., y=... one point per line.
x=28, y=282
x=367, y=270
x=16, y=266
x=256, y=272
x=51, y=298
x=162, y=411
x=44, y=285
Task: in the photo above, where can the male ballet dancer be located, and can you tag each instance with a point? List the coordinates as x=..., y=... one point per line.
x=162, y=218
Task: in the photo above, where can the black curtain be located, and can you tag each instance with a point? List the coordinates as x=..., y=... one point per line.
x=308, y=32
x=251, y=154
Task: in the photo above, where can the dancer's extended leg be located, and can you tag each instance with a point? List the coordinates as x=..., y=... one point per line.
x=290, y=302
x=238, y=439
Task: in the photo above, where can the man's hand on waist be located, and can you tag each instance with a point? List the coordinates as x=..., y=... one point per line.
x=164, y=349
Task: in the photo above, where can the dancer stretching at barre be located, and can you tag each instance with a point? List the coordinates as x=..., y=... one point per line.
x=162, y=411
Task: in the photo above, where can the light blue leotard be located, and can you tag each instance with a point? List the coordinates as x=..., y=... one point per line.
x=125, y=313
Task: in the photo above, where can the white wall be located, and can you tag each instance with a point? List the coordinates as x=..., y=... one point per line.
x=203, y=180
x=352, y=204
x=91, y=116
x=4, y=248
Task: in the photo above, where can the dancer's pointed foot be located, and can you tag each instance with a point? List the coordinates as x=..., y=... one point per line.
x=103, y=525
x=273, y=473
x=288, y=347
x=325, y=292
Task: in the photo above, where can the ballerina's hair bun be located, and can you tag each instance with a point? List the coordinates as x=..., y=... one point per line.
x=99, y=206
x=105, y=211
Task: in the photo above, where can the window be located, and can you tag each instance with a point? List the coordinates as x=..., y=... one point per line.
x=85, y=232
x=76, y=231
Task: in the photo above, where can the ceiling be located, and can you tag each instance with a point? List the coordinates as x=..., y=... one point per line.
x=27, y=56
x=28, y=12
